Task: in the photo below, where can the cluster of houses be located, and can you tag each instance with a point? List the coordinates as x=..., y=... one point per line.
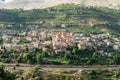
x=59, y=40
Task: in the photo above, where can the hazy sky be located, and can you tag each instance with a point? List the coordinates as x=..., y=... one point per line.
x=8, y=0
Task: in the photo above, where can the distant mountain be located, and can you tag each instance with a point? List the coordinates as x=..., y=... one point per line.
x=31, y=4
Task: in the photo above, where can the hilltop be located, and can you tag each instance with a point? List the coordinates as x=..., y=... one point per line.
x=35, y=4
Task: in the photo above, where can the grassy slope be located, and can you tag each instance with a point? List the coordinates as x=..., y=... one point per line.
x=74, y=16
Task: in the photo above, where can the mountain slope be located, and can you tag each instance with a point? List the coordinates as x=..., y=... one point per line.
x=30, y=4
x=78, y=17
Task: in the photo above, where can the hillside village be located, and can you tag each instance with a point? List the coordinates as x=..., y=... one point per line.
x=64, y=34
x=59, y=40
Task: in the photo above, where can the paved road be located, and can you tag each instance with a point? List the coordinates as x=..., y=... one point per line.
x=62, y=67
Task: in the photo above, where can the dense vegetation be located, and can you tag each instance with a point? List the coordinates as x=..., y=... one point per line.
x=101, y=75
x=40, y=74
x=71, y=15
x=72, y=56
x=6, y=75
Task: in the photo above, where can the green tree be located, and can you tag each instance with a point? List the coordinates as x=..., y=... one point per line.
x=2, y=74
x=116, y=58
x=27, y=56
x=39, y=58
x=81, y=78
x=74, y=50
x=1, y=41
x=19, y=59
x=44, y=54
x=117, y=74
x=6, y=75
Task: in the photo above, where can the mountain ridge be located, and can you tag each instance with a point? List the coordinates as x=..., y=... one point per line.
x=31, y=4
